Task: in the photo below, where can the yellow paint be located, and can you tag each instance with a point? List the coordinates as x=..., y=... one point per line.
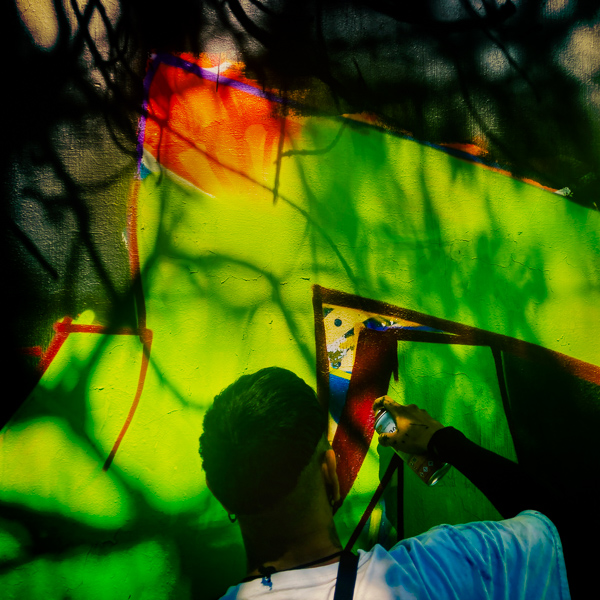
x=55, y=473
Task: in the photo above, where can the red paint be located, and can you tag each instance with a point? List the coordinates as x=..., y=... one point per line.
x=217, y=139
x=134, y=257
x=461, y=334
x=144, y=333
x=55, y=345
x=147, y=345
x=63, y=327
x=31, y=351
x=375, y=361
x=66, y=327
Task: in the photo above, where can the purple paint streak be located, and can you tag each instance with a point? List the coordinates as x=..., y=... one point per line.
x=152, y=68
x=175, y=61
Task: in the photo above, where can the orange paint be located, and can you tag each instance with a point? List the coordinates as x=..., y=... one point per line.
x=214, y=136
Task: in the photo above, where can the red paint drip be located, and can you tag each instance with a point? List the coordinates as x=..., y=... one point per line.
x=55, y=345
x=144, y=333
x=65, y=327
x=147, y=342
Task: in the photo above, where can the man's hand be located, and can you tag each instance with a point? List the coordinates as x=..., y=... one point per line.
x=414, y=426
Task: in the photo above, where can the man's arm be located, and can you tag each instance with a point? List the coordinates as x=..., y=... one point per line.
x=505, y=483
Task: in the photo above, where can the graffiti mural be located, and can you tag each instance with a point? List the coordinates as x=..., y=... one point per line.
x=373, y=226
x=442, y=366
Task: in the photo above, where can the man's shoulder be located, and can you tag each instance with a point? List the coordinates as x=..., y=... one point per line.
x=528, y=527
x=484, y=559
x=448, y=560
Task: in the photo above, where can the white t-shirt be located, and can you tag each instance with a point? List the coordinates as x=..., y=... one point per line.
x=515, y=559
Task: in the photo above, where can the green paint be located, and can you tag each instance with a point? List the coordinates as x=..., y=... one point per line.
x=227, y=284
x=459, y=385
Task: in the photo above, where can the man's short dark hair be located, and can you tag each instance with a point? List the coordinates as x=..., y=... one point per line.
x=259, y=434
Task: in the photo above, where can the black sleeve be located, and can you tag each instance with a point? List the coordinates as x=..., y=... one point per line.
x=512, y=490
x=503, y=482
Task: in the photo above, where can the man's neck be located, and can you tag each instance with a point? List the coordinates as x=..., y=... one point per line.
x=296, y=549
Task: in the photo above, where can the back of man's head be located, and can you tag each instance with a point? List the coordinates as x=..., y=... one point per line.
x=259, y=434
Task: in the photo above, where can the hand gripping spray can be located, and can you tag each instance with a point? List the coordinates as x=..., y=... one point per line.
x=429, y=469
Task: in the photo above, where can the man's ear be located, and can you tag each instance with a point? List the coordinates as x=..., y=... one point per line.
x=208, y=486
x=329, y=468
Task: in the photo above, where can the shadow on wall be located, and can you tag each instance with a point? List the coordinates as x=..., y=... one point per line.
x=517, y=80
x=219, y=271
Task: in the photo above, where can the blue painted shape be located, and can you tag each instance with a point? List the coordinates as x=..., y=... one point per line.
x=144, y=170
x=420, y=328
x=338, y=390
x=375, y=324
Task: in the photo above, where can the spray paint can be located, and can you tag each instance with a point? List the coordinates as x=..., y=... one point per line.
x=429, y=469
